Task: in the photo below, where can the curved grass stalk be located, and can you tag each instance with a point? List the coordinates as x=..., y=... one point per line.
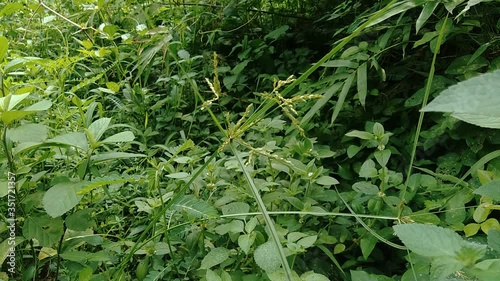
x=421, y=117
x=264, y=212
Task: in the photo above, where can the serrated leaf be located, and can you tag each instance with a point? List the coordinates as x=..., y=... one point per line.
x=267, y=257
x=313, y=276
x=194, y=207
x=494, y=239
x=382, y=156
x=362, y=276
x=61, y=198
x=474, y=100
x=43, y=228
x=245, y=242
x=214, y=257
x=438, y=241
x=80, y=220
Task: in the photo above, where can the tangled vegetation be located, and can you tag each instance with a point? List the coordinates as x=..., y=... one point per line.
x=250, y=140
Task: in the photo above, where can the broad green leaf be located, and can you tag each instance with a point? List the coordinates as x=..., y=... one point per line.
x=326, y=180
x=179, y=175
x=9, y=116
x=245, y=242
x=367, y=244
x=113, y=155
x=352, y=150
x=490, y=224
x=444, y=266
x=360, y=134
x=362, y=83
x=235, y=226
x=6, y=246
x=267, y=257
x=487, y=270
x=28, y=133
x=75, y=139
x=471, y=229
x=494, y=239
x=308, y=241
x=491, y=189
x=474, y=100
x=80, y=220
x=43, y=228
x=8, y=102
x=214, y=257
x=340, y=102
x=10, y=8
x=39, y=106
x=212, y=276
x=365, y=187
x=382, y=156
x=439, y=241
x=61, y=198
x=428, y=36
x=368, y=169
x=236, y=208
x=98, y=127
x=465, y=64
x=194, y=207
x=425, y=14
x=4, y=46
x=120, y=137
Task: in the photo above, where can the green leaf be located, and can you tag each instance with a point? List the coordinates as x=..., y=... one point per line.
x=194, y=207
x=214, y=257
x=464, y=64
x=76, y=139
x=245, y=242
x=340, y=102
x=6, y=246
x=474, y=101
x=367, y=244
x=267, y=257
x=382, y=156
x=312, y=276
x=425, y=14
x=487, y=270
x=308, y=241
x=43, y=228
x=443, y=267
x=368, y=169
x=428, y=36
x=8, y=102
x=212, y=276
x=80, y=220
x=362, y=276
x=98, y=127
x=236, y=208
x=4, y=46
x=494, y=239
x=362, y=83
x=61, y=198
x=28, y=133
x=278, y=32
x=326, y=180
x=120, y=137
x=491, y=189
x=365, y=187
x=360, y=134
x=235, y=226
x=39, y=106
x=340, y=63
x=10, y=8
x=439, y=241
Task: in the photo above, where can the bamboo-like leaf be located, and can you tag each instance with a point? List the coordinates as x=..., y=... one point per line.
x=425, y=14
x=342, y=96
x=362, y=83
x=320, y=103
x=113, y=155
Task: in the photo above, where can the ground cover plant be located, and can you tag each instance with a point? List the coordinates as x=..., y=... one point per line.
x=249, y=140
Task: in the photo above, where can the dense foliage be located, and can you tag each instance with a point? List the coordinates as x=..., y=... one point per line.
x=250, y=140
